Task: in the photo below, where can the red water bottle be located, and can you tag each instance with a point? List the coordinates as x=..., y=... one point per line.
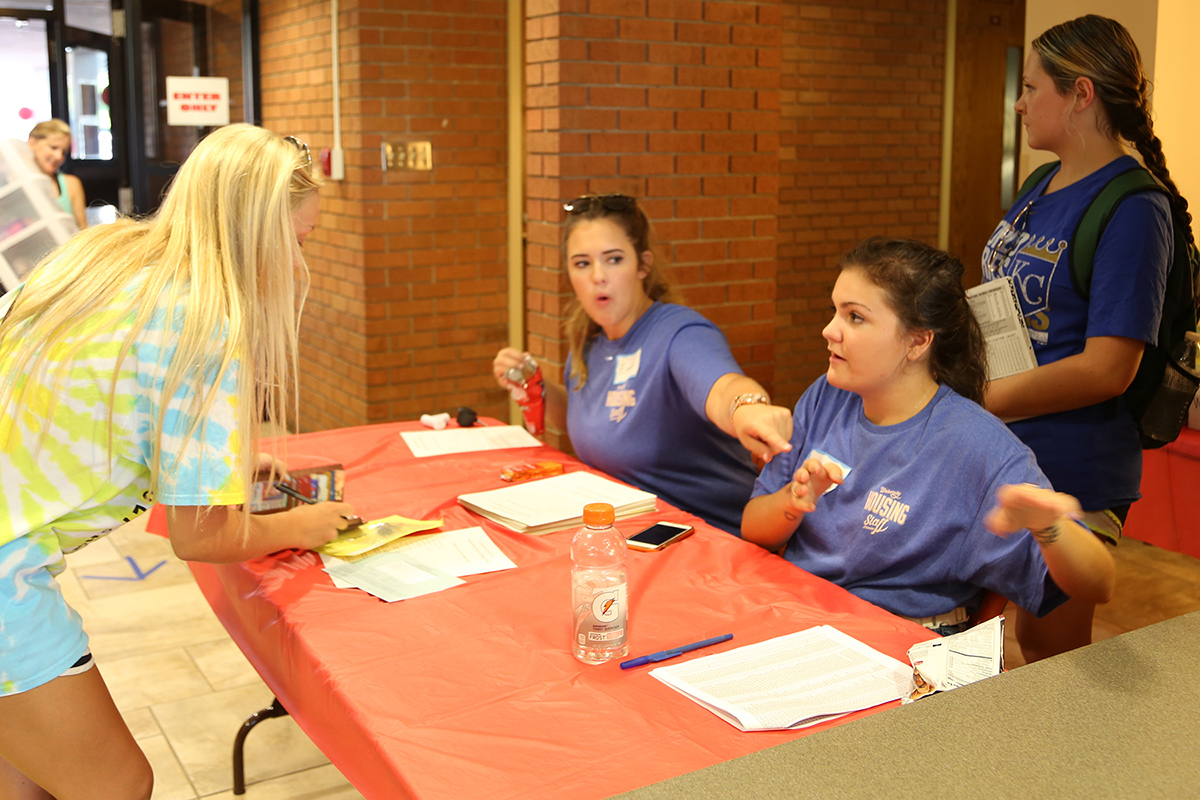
x=529, y=393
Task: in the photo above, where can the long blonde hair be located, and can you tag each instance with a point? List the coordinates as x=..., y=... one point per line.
x=219, y=256
x=580, y=328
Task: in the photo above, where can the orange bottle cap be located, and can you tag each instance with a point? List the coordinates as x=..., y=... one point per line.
x=596, y=514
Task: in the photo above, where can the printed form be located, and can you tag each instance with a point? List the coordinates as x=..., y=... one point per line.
x=791, y=681
x=998, y=312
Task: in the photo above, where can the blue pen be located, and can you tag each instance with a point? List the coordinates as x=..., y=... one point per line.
x=674, y=651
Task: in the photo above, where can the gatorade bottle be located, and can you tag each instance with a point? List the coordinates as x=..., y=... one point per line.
x=599, y=591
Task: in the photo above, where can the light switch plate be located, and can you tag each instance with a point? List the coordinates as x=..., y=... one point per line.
x=407, y=155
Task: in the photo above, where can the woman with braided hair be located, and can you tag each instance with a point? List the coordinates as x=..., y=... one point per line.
x=1086, y=100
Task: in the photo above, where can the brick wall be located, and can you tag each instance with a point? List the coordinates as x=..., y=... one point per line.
x=860, y=153
x=675, y=102
x=408, y=268
x=764, y=139
x=296, y=100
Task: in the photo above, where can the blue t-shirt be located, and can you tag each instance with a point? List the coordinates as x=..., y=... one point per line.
x=640, y=416
x=1092, y=452
x=905, y=528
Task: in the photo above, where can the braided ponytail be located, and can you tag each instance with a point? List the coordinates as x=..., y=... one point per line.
x=1101, y=50
x=1140, y=134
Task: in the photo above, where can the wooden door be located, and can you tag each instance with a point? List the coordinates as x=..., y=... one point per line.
x=990, y=34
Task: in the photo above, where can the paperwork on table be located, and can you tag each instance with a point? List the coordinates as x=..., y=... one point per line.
x=790, y=681
x=952, y=661
x=420, y=565
x=551, y=504
x=376, y=533
x=467, y=440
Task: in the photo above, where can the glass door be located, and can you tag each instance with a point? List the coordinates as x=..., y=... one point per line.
x=166, y=37
x=102, y=65
x=90, y=111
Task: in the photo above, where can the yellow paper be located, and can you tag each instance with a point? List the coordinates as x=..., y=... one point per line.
x=376, y=533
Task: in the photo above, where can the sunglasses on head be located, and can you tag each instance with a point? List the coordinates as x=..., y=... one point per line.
x=609, y=202
x=305, y=155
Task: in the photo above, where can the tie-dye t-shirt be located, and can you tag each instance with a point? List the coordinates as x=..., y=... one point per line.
x=90, y=472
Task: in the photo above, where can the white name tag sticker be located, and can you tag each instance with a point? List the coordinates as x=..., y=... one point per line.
x=627, y=367
x=828, y=460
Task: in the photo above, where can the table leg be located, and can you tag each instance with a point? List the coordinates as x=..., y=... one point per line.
x=239, y=771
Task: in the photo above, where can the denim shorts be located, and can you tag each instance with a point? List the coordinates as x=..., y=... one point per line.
x=41, y=637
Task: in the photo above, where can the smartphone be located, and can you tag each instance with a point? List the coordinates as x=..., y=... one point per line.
x=659, y=535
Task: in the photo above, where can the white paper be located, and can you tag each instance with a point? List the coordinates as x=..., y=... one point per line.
x=998, y=312
x=790, y=681
x=555, y=503
x=459, y=553
x=467, y=440
x=388, y=576
x=952, y=661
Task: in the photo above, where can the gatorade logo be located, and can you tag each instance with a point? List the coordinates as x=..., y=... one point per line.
x=605, y=606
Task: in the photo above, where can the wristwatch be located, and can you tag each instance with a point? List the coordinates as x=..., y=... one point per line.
x=749, y=399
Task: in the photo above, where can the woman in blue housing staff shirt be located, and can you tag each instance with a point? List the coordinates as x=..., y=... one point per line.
x=899, y=486
x=652, y=394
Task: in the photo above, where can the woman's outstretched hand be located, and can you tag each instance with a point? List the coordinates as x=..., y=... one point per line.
x=1025, y=506
x=810, y=481
x=764, y=430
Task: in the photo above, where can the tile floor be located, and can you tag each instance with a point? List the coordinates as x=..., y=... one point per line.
x=181, y=683
x=184, y=687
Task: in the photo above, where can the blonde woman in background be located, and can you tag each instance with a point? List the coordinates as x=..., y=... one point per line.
x=137, y=364
x=50, y=142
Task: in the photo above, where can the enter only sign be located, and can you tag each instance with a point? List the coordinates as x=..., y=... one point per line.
x=197, y=101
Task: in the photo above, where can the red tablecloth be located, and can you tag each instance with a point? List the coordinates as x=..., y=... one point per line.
x=1168, y=515
x=472, y=692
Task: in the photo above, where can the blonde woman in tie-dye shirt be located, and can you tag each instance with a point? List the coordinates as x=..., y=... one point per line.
x=137, y=365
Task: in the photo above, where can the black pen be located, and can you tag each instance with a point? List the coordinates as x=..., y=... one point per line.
x=303, y=498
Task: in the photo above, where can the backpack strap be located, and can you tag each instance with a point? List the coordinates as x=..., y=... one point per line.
x=1035, y=177
x=1081, y=254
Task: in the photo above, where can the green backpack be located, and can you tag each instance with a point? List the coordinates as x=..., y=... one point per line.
x=1179, y=312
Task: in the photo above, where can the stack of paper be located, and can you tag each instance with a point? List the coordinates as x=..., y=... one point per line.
x=420, y=565
x=790, y=681
x=555, y=503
